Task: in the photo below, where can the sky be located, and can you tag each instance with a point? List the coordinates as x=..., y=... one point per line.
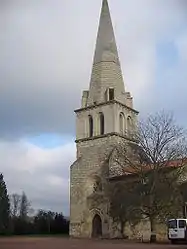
x=47, y=49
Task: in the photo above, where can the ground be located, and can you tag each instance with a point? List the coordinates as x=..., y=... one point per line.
x=58, y=243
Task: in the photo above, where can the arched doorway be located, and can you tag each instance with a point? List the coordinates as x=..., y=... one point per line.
x=96, y=226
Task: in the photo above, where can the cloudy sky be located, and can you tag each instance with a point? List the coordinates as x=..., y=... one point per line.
x=46, y=49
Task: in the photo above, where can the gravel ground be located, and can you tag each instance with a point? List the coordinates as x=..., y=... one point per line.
x=66, y=243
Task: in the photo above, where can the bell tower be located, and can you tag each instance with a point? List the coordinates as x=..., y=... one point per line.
x=106, y=117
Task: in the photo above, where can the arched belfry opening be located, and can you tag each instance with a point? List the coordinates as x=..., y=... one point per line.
x=129, y=125
x=121, y=123
x=102, y=123
x=96, y=227
x=90, y=126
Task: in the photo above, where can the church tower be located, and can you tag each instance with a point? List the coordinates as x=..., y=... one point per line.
x=105, y=119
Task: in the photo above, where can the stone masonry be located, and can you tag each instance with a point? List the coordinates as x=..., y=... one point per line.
x=104, y=119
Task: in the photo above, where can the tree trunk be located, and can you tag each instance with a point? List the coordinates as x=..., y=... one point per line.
x=153, y=230
x=122, y=226
x=122, y=229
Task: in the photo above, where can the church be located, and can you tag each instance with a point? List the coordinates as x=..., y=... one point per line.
x=105, y=119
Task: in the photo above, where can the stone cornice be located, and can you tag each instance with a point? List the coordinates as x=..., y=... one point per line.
x=102, y=136
x=105, y=103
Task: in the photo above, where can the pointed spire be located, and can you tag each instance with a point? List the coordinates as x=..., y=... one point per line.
x=105, y=37
x=106, y=71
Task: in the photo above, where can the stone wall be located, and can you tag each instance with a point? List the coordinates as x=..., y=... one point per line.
x=91, y=163
x=111, y=112
x=142, y=231
x=105, y=75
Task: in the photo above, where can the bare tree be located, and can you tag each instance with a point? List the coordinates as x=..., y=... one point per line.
x=24, y=207
x=156, y=156
x=123, y=202
x=15, y=200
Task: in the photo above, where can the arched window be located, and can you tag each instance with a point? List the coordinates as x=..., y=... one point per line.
x=129, y=124
x=90, y=126
x=121, y=123
x=102, y=123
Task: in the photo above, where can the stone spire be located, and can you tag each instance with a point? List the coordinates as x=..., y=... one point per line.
x=106, y=71
x=105, y=37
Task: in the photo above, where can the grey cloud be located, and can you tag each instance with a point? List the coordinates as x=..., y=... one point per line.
x=42, y=173
x=40, y=74
x=46, y=54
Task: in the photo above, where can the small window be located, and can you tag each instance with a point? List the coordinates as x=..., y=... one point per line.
x=90, y=126
x=121, y=123
x=182, y=223
x=111, y=93
x=129, y=124
x=102, y=124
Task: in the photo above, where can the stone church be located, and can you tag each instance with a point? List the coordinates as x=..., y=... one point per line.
x=104, y=120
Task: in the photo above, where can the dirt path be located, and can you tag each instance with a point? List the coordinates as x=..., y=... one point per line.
x=59, y=243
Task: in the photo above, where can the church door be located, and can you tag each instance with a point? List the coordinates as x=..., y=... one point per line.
x=96, y=226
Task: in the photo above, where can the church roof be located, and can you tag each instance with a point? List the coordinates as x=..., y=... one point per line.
x=167, y=165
